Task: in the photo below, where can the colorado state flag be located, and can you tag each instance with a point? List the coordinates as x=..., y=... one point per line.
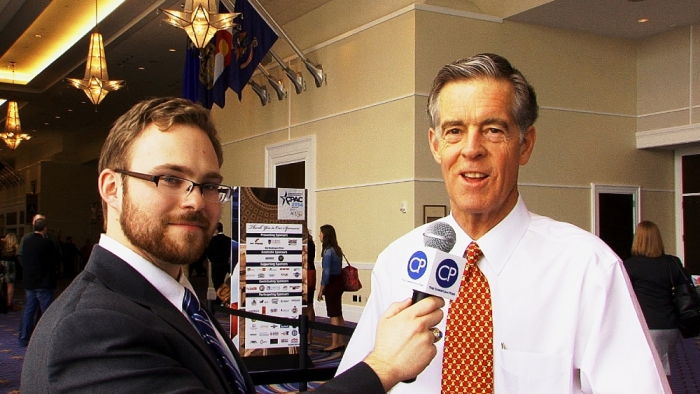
x=206, y=75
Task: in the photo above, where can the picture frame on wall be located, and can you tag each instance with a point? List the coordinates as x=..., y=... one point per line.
x=432, y=213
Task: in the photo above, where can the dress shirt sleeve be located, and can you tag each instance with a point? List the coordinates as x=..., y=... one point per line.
x=362, y=340
x=615, y=345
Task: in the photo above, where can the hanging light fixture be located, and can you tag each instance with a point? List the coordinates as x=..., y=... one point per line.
x=13, y=130
x=96, y=83
x=200, y=20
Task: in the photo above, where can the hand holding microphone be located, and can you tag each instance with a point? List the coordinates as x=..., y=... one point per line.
x=404, y=353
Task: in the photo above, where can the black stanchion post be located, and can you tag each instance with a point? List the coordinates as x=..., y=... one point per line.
x=303, y=346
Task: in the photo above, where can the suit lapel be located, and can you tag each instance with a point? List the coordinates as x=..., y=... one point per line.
x=118, y=276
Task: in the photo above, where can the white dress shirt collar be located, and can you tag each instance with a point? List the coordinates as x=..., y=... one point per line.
x=498, y=243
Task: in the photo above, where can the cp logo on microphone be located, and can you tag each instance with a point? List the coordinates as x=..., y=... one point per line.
x=417, y=265
x=447, y=273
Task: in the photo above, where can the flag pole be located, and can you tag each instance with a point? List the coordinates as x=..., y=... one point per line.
x=315, y=69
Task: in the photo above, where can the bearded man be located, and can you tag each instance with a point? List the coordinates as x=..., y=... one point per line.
x=131, y=322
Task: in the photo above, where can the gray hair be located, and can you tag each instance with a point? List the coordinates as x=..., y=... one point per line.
x=486, y=65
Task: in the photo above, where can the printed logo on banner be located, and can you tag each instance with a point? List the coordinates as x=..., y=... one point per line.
x=292, y=204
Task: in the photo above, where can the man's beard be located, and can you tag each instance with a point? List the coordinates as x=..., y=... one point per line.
x=150, y=237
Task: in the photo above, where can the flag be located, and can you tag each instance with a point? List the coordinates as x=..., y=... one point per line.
x=207, y=71
x=252, y=39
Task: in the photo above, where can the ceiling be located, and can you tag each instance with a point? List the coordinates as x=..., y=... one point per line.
x=137, y=45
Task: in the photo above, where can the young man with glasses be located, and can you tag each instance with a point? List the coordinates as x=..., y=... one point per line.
x=130, y=322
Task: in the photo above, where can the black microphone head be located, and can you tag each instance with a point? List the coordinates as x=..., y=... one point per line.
x=440, y=236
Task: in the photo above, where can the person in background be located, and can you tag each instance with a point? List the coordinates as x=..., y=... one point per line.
x=310, y=283
x=36, y=217
x=653, y=275
x=39, y=261
x=219, y=255
x=332, y=283
x=130, y=322
x=71, y=258
x=85, y=251
x=543, y=306
x=10, y=245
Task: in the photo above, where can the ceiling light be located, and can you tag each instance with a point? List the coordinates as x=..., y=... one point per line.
x=13, y=130
x=200, y=20
x=96, y=83
x=643, y=20
x=78, y=19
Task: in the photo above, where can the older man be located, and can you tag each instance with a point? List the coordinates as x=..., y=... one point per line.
x=130, y=322
x=544, y=307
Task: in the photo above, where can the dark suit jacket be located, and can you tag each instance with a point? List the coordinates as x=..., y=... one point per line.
x=219, y=253
x=39, y=262
x=112, y=332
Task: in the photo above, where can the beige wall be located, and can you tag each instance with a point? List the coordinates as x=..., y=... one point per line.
x=65, y=192
x=370, y=125
x=668, y=79
x=371, y=129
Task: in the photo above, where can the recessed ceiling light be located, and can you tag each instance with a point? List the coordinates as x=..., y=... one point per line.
x=70, y=110
x=142, y=68
x=80, y=21
x=57, y=117
x=37, y=35
x=171, y=50
x=643, y=20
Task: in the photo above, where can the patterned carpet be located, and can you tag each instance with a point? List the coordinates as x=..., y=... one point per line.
x=12, y=355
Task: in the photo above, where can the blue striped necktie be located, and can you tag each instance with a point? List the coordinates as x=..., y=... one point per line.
x=208, y=332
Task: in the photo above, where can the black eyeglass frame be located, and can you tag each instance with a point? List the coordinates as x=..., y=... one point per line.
x=225, y=192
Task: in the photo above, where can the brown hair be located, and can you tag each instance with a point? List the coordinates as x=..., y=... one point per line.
x=647, y=240
x=330, y=240
x=164, y=112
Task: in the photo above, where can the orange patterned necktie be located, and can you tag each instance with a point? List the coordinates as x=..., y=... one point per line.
x=467, y=363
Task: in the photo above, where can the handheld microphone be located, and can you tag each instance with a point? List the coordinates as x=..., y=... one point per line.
x=431, y=270
x=440, y=236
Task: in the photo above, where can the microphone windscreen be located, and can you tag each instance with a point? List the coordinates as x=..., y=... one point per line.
x=440, y=235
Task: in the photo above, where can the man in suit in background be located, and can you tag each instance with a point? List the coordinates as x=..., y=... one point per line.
x=39, y=261
x=219, y=255
x=130, y=322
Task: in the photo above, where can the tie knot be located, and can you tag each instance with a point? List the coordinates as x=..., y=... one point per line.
x=473, y=253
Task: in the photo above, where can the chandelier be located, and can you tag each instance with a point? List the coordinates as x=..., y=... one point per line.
x=96, y=83
x=13, y=130
x=200, y=20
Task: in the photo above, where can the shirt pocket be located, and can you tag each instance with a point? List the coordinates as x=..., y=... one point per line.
x=527, y=372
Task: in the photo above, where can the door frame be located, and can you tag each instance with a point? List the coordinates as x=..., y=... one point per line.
x=678, y=195
x=597, y=189
x=294, y=151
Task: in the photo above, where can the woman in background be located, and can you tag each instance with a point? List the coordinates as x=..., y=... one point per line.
x=332, y=283
x=311, y=283
x=9, y=261
x=653, y=275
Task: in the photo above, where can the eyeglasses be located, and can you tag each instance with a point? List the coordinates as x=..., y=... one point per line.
x=178, y=186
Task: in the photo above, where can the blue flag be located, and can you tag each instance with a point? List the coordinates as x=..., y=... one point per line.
x=252, y=39
x=207, y=71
